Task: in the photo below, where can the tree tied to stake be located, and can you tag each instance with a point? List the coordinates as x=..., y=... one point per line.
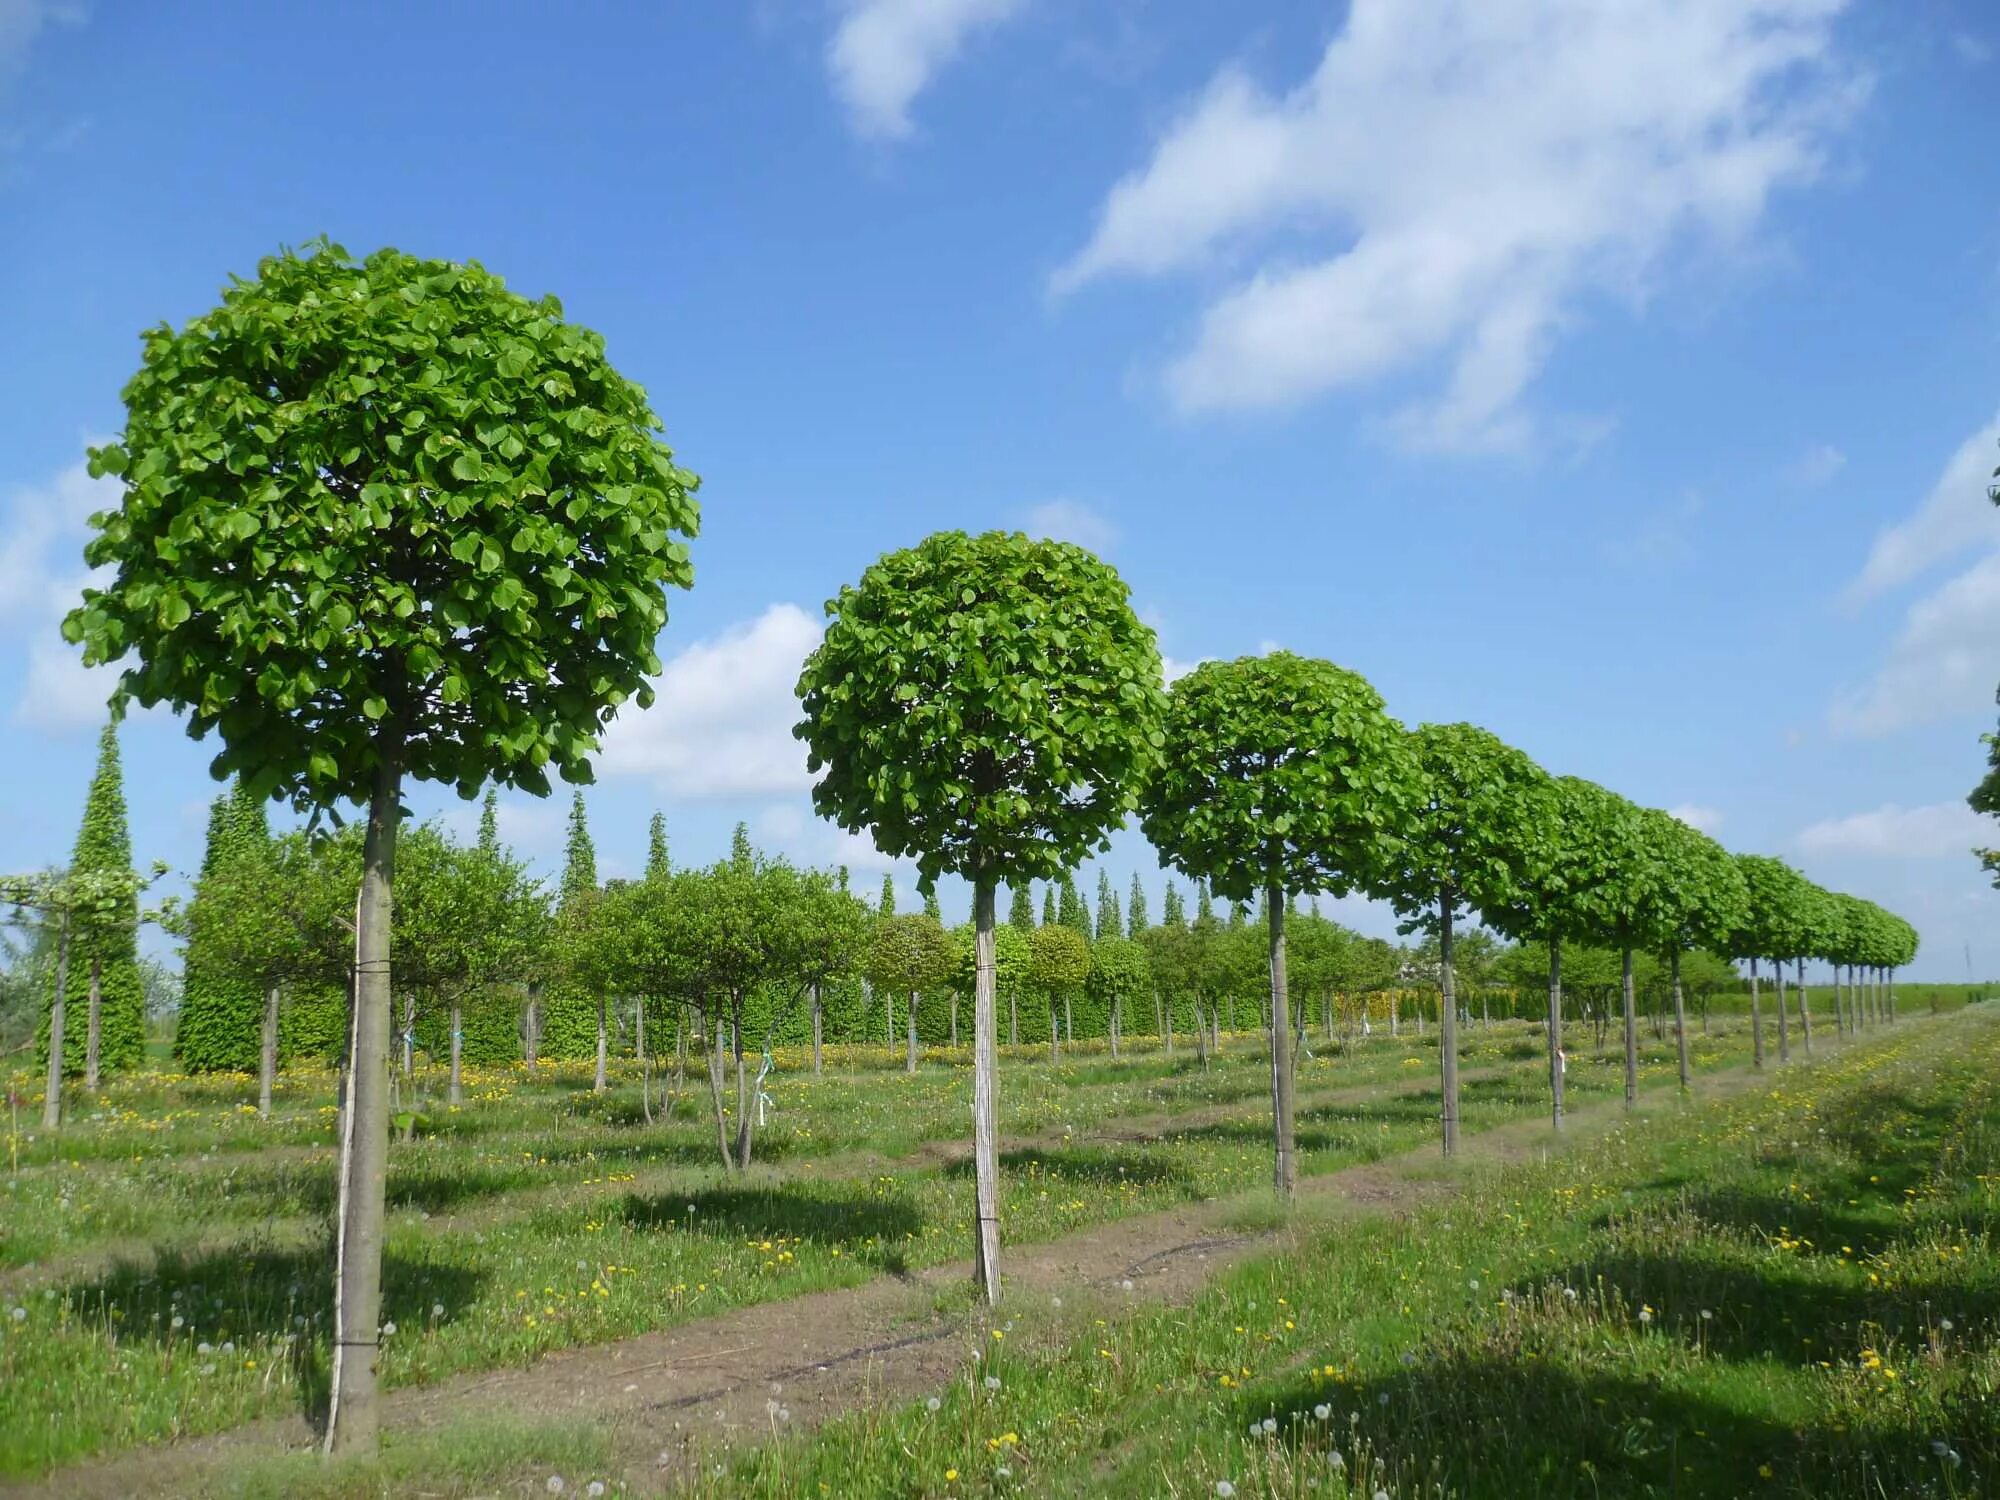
x=383, y=519
x=988, y=705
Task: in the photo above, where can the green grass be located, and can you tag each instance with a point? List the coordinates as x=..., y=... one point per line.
x=1795, y=1294
x=542, y=1217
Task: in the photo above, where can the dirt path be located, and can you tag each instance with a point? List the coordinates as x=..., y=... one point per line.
x=668, y=1399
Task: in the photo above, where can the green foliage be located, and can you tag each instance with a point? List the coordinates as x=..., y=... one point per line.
x=409, y=508
x=658, y=864
x=1702, y=897
x=907, y=953
x=1171, y=913
x=1480, y=829
x=985, y=704
x=1058, y=961
x=1049, y=907
x=1284, y=771
x=111, y=939
x=221, y=1010
x=1120, y=971
x=1136, y=920
x=1021, y=908
x=885, y=905
x=489, y=822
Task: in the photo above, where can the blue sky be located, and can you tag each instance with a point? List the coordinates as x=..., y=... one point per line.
x=1624, y=379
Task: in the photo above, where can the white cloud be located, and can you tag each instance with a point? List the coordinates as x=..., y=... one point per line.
x=42, y=531
x=721, y=725
x=1816, y=466
x=885, y=52
x=1944, y=661
x=1953, y=517
x=1663, y=538
x=1697, y=815
x=1935, y=831
x=1466, y=172
x=1972, y=50
x=1073, y=521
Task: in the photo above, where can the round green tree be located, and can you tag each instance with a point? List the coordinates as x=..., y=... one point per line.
x=987, y=705
x=384, y=520
x=1478, y=834
x=1285, y=774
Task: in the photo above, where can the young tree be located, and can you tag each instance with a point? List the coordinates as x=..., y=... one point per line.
x=907, y=955
x=103, y=975
x=831, y=924
x=886, y=907
x=1136, y=920
x=221, y=1013
x=1021, y=909
x=1059, y=961
x=1171, y=912
x=384, y=520
x=1700, y=902
x=1119, y=976
x=987, y=704
x=1481, y=828
x=570, y=1017
x=1284, y=774
x=1767, y=930
x=1071, y=911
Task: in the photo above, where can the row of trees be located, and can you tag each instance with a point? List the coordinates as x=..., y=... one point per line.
x=386, y=520
x=992, y=707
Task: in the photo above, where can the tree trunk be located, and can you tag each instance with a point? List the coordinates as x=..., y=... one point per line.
x=1805, y=1009
x=599, y=1084
x=714, y=1054
x=353, y=1417
x=1555, y=1028
x=93, y=1028
x=744, y=1116
x=454, y=1091
x=267, y=1055
x=1200, y=1033
x=1055, y=1034
x=888, y=1018
x=1680, y=1018
x=1784, y=1022
x=645, y=1069
x=910, y=1057
x=58, y=1009
x=954, y=1017
x=1117, y=1003
x=1756, y=1021
x=985, y=1098
x=819, y=1024
x=1069, y=1021
x=409, y=1035
x=1284, y=1169
x=1448, y=1025
x=1631, y=1033
x=1167, y=1027
x=531, y=1028
x=1395, y=1015
x=1013, y=1021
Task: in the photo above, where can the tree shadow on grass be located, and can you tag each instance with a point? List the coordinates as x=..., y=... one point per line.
x=825, y=1213
x=1494, y=1425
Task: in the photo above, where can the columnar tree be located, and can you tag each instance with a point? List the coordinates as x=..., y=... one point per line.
x=1135, y=909
x=1283, y=774
x=658, y=865
x=1021, y=908
x=384, y=520
x=103, y=976
x=988, y=705
x=568, y=1019
x=221, y=1012
x=1479, y=828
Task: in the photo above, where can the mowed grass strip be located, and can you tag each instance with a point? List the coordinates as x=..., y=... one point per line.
x=1796, y=1293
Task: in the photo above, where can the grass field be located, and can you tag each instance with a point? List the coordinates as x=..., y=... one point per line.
x=163, y=1273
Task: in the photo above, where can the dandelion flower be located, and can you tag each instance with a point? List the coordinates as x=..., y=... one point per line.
x=1334, y=1458
x=388, y=1330
x=555, y=1485
x=1322, y=1411
x=933, y=1405
x=437, y=1309
x=594, y=1488
x=992, y=1382
x=1270, y=1425
x=1224, y=1489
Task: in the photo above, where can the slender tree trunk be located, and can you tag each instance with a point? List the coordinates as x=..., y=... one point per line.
x=714, y=1054
x=888, y=1018
x=1448, y=1027
x=744, y=1116
x=267, y=1054
x=93, y=1030
x=1805, y=1009
x=1117, y=1001
x=645, y=1067
x=910, y=1057
x=1784, y=1021
x=1395, y=1015
x=353, y=1416
x=1167, y=1027
x=454, y=1092
x=954, y=1018
x=1680, y=1018
x=1055, y=1034
x=985, y=1097
x=1200, y=1033
x=409, y=1035
x=58, y=1009
x=818, y=1026
x=531, y=1029
x=1556, y=1028
x=1069, y=1021
x=600, y=1083
x=1756, y=1021
x=1631, y=1033
x=1013, y=1020
x=1285, y=1170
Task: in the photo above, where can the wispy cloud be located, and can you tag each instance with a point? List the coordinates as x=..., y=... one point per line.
x=1952, y=518
x=1464, y=172
x=1891, y=831
x=884, y=53
x=1073, y=521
